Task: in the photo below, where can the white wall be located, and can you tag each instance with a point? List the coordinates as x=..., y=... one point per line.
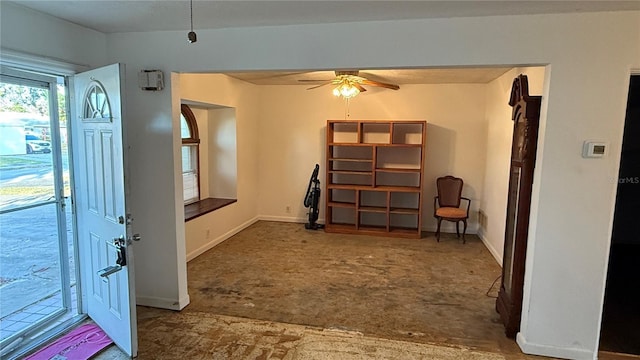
x=204, y=232
x=33, y=33
x=584, y=97
x=292, y=139
x=223, y=153
x=573, y=198
x=499, y=138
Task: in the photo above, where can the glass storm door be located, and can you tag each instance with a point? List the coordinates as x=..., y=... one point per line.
x=36, y=243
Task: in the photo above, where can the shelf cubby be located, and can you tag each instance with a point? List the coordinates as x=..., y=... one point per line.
x=372, y=220
x=373, y=198
x=354, y=152
x=404, y=203
x=402, y=179
x=343, y=216
x=341, y=198
x=376, y=133
x=407, y=133
x=345, y=132
x=399, y=157
x=350, y=178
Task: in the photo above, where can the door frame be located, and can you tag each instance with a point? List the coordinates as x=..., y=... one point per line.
x=632, y=73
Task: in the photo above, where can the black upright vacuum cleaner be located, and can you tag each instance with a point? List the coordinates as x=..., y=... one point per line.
x=311, y=200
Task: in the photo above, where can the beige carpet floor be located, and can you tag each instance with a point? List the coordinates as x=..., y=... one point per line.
x=277, y=291
x=415, y=290
x=193, y=335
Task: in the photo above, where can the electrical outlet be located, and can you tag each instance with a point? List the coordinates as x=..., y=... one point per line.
x=206, y=234
x=287, y=209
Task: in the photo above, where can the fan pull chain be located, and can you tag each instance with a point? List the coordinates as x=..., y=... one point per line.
x=346, y=109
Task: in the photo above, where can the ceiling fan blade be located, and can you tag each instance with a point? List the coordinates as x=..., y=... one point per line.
x=317, y=86
x=313, y=80
x=359, y=87
x=380, y=84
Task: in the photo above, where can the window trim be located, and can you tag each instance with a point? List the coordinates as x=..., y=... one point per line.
x=193, y=127
x=193, y=140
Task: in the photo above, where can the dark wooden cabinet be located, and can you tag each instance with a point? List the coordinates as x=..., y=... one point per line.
x=526, y=114
x=374, y=177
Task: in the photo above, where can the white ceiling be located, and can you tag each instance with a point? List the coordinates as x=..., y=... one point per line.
x=110, y=16
x=156, y=15
x=396, y=76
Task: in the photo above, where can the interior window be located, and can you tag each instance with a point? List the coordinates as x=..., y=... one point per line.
x=190, y=152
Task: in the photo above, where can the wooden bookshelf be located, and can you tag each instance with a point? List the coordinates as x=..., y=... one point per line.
x=374, y=177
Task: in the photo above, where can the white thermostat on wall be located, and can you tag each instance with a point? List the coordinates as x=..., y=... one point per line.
x=151, y=80
x=594, y=149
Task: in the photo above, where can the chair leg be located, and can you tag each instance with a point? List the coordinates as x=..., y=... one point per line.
x=438, y=230
x=458, y=228
x=464, y=232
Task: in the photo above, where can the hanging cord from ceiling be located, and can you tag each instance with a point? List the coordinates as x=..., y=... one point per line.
x=192, y=37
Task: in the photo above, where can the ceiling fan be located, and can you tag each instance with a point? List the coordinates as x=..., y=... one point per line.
x=349, y=83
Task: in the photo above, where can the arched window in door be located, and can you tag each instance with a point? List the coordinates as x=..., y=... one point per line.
x=190, y=152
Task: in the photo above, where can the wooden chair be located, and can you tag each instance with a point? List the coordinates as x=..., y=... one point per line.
x=446, y=206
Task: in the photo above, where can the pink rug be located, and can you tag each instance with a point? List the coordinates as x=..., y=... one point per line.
x=80, y=344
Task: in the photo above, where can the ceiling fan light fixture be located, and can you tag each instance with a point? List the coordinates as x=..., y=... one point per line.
x=348, y=84
x=346, y=90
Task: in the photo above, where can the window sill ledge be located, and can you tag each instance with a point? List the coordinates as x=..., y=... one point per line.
x=205, y=206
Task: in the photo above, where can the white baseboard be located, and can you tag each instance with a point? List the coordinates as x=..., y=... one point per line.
x=446, y=227
x=162, y=303
x=183, y=302
x=289, y=219
x=202, y=249
x=491, y=248
x=554, y=351
x=211, y=244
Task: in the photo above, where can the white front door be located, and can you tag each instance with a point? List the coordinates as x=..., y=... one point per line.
x=106, y=257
